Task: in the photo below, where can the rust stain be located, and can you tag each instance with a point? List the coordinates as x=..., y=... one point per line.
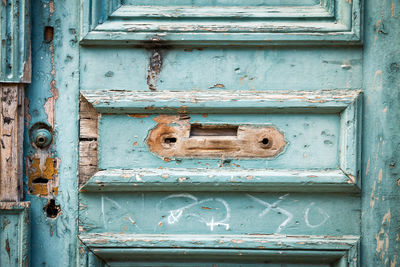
x=135, y=144
x=205, y=208
x=218, y=85
x=8, y=248
x=204, y=115
x=139, y=116
x=393, y=9
x=43, y=176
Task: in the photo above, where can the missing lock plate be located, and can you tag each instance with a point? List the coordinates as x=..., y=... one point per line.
x=177, y=138
x=213, y=130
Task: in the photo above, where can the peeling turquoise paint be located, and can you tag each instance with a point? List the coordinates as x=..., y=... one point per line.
x=120, y=215
x=52, y=94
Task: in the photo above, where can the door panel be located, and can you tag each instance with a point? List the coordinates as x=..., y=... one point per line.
x=134, y=54
x=223, y=213
x=193, y=152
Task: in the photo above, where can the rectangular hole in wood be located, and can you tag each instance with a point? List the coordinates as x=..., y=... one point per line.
x=213, y=130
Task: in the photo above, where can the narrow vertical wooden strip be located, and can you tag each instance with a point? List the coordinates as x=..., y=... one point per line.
x=88, y=130
x=350, y=124
x=20, y=139
x=10, y=142
x=3, y=33
x=15, y=41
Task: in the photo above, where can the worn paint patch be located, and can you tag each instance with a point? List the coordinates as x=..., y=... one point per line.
x=49, y=106
x=176, y=137
x=42, y=173
x=382, y=238
x=154, y=69
x=372, y=201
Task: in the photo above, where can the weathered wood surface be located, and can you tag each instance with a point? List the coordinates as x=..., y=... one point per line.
x=15, y=47
x=14, y=234
x=53, y=99
x=175, y=137
x=201, y=179
x=381, y=138
x=11, y=134
x=373, y=67
x=88, y=133
x=212, y=101
x=222, y=24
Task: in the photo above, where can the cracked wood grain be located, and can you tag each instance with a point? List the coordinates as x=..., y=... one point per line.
x=11, y=135
x=88, y=129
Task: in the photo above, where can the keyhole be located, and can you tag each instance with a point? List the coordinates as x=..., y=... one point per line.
x=170, y=140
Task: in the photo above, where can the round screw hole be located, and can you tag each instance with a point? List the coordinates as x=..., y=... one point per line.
x=265, y=141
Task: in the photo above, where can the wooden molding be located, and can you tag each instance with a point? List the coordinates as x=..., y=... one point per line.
x=345, y=103
x=128, y=23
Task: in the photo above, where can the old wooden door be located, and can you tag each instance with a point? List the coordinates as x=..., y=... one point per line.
x=214, y=133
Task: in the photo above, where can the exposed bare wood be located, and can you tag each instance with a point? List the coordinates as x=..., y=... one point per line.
x=11, y=135
x=87, y=140
x=175, y=137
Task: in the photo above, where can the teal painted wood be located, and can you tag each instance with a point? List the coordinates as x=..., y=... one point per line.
x=15, y=46
x=339, y=253
x=373, y=67
x=291, y=169
x=213, y=101
x=14, y=234
x=106, y=23
x=86, y=257
x=232, y=69
x=381, y=140
x=52, y=94
x=224, y=258
x=139, y=180
x=206, y=214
